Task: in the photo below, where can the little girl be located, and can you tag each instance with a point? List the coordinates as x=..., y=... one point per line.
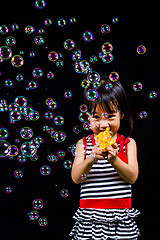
x=105, y=210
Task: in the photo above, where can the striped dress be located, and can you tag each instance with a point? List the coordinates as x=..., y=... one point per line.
x=105, y=210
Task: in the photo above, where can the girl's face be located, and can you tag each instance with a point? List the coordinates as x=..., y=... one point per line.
x=100, y=120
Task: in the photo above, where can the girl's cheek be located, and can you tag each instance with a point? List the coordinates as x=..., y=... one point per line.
x=94, y=125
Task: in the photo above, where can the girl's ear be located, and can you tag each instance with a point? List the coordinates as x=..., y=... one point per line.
x=122, y=115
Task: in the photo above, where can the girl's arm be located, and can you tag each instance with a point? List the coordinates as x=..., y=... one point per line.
x=129, y=172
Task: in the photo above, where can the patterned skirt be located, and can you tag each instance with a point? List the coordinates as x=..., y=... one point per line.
x=103, y=224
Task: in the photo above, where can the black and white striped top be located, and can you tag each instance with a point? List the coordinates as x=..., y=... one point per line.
x=103, y=181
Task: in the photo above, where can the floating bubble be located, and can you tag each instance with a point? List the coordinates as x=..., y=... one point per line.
x=64, y=193
x=13, y=151
x=22, y=158
x=15, y=26
x=94, y=76
x=59, y=136
x=107, y=47
x=8, y=83
x=3, y=133
x=5, y=52
x=8, y=189
x=43, y=221
x=4, y=29
x=10, y=41
x=19, y=77
x=15, y=115
x=88, y=36
x=50, y=75
x=152, y=95
x=28, y=149
x=61, y=22
x=141, y=49
x=93, y=59
x=48, y=22
x=86, y=126
x=32, y=85
x=108, y=85
x=84, y=116
x=113, y=76
x=40, y=4
x=91, y=94
x=76, y=129
x=67, y=94
x=83, y=108
x=29, y=29
x=59, y=63
x=17, y=61
x=72, y=20
x=105, y=28
x=37, y=72
x=84, y=176
x=77, y=55
x=26, y=132
x=48, y=115
x=69, y=44
x=45, y=170
x=67, y=164
x=52, y=158
x=33, y=215
x=18, y=173
x=20, y=101
x=143, y=114
x=85, y=83
x=53, y=56
x=37, y=203
x=137, y=86
x=61, y=153
x=4, y=145
x=107, y=58
x=58, y=120
x=85, y=66
x=115, y=20
x=39, y=40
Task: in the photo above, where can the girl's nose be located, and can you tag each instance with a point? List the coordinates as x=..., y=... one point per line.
x=103, y=124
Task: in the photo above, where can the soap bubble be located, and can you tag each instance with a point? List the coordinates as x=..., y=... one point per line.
x=141, y=49
x=88, y=36
x=10, y=41
x=20, y=101
x=28, y=149
x=58, y=120
x=107, y=47
x=84, y=116
x=47, y=21
x=26, y=132
x=53, y=56
x=40, y=4
x=84, y=176
x=8, y=189
x=137, y=86
x=33, y=215
x=59, y=136
x=4, y=145
x=37, y=72
x=4, y=29
x=13, y=151
x=64, y=193
x=67, y=94
x=94, y=76
x=5, y=52
x=113, y=76
x=69, y=44
x=108, y=85
x=22, y=158
x=152, y=95
x=107, y=58
x=115, y=20
x=15, y=115
x=45, y=170
x=18, y=173
x=93, y=59
x=67, y=164
x=91, y=94
x=43, y=221
x=29, y=29
x=37, y=203
x=48, y=115
x=61, y=153
x=3, y=133
x=76, y=55
x=143, y=114
x=76, y=129
x=105, y=28
x=17, y=61
x=39, y=40
x=52, y=158
x=61, y=22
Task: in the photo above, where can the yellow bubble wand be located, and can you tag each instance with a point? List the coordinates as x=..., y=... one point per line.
x=105, y=139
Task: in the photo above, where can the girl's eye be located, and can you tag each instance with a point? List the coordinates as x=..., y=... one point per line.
x=110, y=116
x=95, y=116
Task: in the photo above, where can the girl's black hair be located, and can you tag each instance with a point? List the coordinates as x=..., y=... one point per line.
x=112, y=98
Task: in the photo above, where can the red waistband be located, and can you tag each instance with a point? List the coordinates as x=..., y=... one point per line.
x=106, y=203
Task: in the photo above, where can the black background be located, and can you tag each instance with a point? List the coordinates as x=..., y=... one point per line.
x=133, y=29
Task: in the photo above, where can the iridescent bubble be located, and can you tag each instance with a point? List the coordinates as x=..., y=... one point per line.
x=48, y=22
x=15, y=115
x=67, y=164
x=94, y=76
x=137, y=86
x=52, y=158
x=43, y=221
x=10, y=41
x=76, y=55
x=107, y=47
x=84, y=116
x=86, y=126
x=45, y=170
x=69, y=44
x=83, y=108
x=61, y=153
x=93, y=59
x=4, y=145
x=76, y=129
x=8, y=83
x=50, y=75
x=91, y=94
x=152, y=95
x=29, y=29
x=72, y=20
x=88, y=36
x=59, y=63
x=37, y=72
x=84, y=176
x=85, y=83
x=15, y=26
x=143, y=114
x=59, y=136
x=40, y=4
x=52, y=105
x=28, y=111
x=58, y=120
x=22, y=158
x=8, y=189
x=28, y=149
x=13, y=150
x=19, y=77
x=67, y=94
x=5, y=52
x=78, y=67
x=20, y=101
x=17, y=61
x=26, y=132
x=107, y=58
x=115, y=20
x=141, y=49
x=32, y=85
x=61, y=22
x=108, y=85
x=64, y=193
x=37, y=203
x=53, y=56
x=113, y=76
x=39, y=40
x=4, y=29
x=105, y=28
x=33, y=215
x=18, y=173
x=48, y=115
x=3, y=133
x=85, y=66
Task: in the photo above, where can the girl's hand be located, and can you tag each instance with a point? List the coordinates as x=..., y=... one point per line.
x=112, y=151
x=97, y=153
